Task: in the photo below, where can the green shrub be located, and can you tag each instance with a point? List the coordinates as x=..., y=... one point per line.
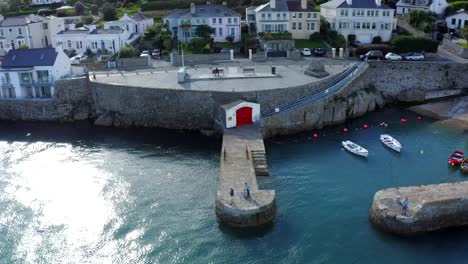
x=315, y=36
x=351, y=37
x=79, y=24
x=109, y=12
x=127, y=52
x=376, y=40
x=87, y=20
x=275, y=36
x=455, y=6
x=19, y=13
x=23, y=46
x=165, y=53
x=361, y=50
x=402, y=44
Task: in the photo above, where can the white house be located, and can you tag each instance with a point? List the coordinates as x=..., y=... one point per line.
x=294, y=16
x=135, y=24
x=436, y=6
x=458, y=20
x=224, y=21
x=364, y=18
x=31, y=73
x=45, y=2
x=31, y=30
x=97, y=40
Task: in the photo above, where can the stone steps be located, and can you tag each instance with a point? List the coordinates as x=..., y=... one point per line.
x=260, y=162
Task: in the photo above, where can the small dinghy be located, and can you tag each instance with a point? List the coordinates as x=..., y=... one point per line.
x=464, y=166
x=355, y=148
x=390, y=142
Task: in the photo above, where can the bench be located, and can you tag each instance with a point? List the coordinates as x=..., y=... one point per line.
x=220, y=71
x=248, y=70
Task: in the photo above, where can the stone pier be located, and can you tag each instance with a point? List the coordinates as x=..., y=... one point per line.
x=242, y=154
x=431, y=207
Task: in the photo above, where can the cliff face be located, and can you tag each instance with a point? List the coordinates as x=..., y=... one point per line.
x=431, y=207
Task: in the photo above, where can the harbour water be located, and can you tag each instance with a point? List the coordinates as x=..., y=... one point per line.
x=81, y=194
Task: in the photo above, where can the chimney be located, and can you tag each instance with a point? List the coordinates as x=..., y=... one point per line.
x=349, y=2
x=304, y=4
x=193, y=10
x=272, y=4
x=378, y=2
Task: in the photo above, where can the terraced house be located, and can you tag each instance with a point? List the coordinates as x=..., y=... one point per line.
x=294, y=16
x=364, y=18
x=224, y=21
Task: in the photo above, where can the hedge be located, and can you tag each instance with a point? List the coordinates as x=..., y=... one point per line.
x=19, y=13
x=402, y=44
x=361, y=50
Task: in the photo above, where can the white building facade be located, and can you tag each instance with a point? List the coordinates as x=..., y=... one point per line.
x=46, y=2
x=458, y=20
x=99, y=41
x=135, y=24
x=365, y=19
x=294, y=16
x=223, y=20
x=403, y=7
x=31, y=73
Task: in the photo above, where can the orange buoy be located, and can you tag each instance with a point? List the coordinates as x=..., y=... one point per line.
x=365, y=126
x=345, y=130
x=315, y=135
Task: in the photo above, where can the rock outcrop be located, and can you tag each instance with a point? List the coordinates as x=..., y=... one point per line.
x=431, y=207
x=106, y=119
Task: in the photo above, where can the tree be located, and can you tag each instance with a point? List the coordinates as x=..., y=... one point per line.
x=109, y=12
x=80, y=8
x=159, y=35
x=376, y=40
x=79, y=24
x=127, y=52
x=351, y=38
x=87, y=20
x=324, y=26
x=204, y=31
x=23, y=46
x=186, y=26
x=464, y=34
x=230, y=38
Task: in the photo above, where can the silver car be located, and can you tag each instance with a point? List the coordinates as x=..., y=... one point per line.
x=393, y=57
x=414, y=56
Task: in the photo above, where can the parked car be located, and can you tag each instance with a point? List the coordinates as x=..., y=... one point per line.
x=319, y=52
x=78, y=58
x=306, y=52
x=373, y=55
x=156, y=53
x=355, y=43
x=414, y=56
x=393, y=57
x=145, y=53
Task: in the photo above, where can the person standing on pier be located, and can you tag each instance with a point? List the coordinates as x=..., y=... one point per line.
x=405, y=204
x=247, y=189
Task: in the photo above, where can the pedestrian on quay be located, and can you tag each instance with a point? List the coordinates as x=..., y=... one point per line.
x=247, y=189
x=231, y=192
x=405, y=204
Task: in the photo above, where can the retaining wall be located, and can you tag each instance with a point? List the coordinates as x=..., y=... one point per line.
x=455, y=48
x=200, y=58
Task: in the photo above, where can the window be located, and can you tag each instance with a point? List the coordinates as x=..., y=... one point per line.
x=312, y=26
x=269, y=15
x=20, y=42
x=25, y=77
x=300, y=15
x=454, y=22
x=299, y=26
x=10, y=30
x=294, y=26
x=278, y=15
x=12, y=44
x=69, y=44
x=315, y=14
x=308, y=26
x=373, y=25
x=387, y=26
x=235, y=20
x=93, y=45
x=214, y=20
x=368, y=12
x=1, y=32
x=233, y=31
x=1, y=44
x=354, y=12
x=263, y=15
x=229, y=20
x=79, y=45
x=19, y=31
x=309, y=15
x=198, y=21
x=220, y=20
x=203, y=21
x=294, y=15
x=45, y=26
x=284, y=15
x=357, y=25
x=7, y=78
x=220, y=31
x=377, y=12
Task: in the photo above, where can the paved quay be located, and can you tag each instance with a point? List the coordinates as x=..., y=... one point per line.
x=431, y=207
x=237, y=168
x=233, y=80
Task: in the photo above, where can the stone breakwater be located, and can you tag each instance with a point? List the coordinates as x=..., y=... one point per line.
x=119, y=105
x=431, y=207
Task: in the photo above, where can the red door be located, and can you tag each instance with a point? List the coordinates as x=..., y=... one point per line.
x=244, y=116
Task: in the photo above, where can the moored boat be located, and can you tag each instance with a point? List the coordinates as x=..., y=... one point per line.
x=456, y=158
x=391, y=142
x=355, y=148
x=464, y=165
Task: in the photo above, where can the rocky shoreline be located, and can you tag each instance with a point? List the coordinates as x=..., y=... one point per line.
x=452, y=113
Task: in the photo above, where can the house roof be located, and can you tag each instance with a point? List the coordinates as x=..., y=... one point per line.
x=20, y=58
x=86, y=32
x=367, y=4
x=413, y=4
x=138, y=16
x=21, y=20
x=281, y=6
x=203, y=11
x=459, y=13
x=295, y=5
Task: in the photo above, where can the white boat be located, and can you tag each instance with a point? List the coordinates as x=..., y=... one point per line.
x=390, y=142
x=355, y=148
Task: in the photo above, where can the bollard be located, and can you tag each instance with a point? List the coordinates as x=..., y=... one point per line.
x=250, y=54
x=333, y=52
x=232, y=55
x=341, y=53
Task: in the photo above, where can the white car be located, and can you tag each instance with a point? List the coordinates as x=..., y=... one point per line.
x=145, y=53
x=78, y=58
x=414, y=56
x=306, y=52
x=393, y=57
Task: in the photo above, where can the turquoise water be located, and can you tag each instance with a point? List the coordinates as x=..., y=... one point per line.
x=80, y=194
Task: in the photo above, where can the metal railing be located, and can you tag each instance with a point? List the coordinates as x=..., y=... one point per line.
x=330, y=88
